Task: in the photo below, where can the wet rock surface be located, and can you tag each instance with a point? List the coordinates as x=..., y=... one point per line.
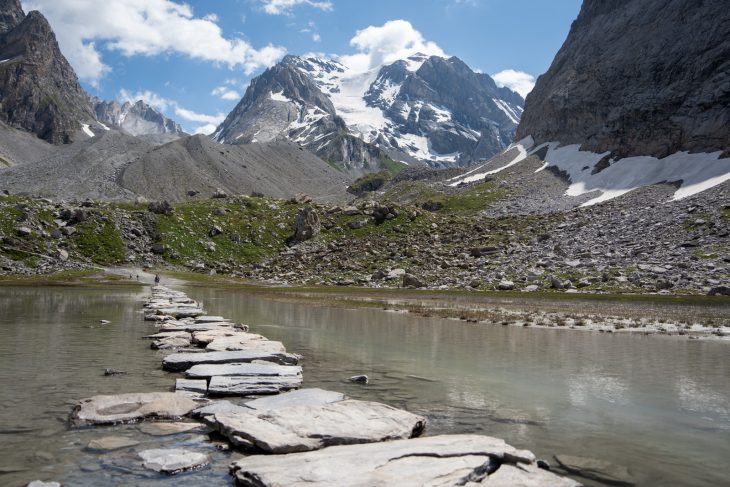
x=436, y=460
x=172, y=461
x=311, y=427
x=124, y=408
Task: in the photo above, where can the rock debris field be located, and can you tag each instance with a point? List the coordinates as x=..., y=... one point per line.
x=287, y=435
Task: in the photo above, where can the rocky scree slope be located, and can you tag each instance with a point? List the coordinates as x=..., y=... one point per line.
x=39, y=91
x=423, y=109
x=638, y=78
x=113, y=166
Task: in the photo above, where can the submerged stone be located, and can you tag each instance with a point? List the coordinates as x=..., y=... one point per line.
x=110, y=443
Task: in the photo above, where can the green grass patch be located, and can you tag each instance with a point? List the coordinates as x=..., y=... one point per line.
x=393, y=167
x=99, y=241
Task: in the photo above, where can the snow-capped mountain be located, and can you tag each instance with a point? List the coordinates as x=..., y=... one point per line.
x=423, y=109
x=135, y=118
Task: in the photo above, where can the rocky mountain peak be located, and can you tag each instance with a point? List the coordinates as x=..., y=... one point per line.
x=421, y=109
x=136, y=118
x=39, y=90
x=11, y=15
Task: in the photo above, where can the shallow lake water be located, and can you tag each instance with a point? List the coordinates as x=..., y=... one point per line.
x=657, y=405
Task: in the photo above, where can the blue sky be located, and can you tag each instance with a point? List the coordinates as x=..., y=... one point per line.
x=194, y=59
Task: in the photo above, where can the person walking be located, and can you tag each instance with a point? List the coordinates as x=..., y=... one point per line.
x=157, y=279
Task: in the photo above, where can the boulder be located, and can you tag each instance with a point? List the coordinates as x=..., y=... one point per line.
x=311, y=427
x=506, y=285
x=412, y=281
x=172, y=461
x=124, y=408
x=307, y=226
x=183, y=361
x=435, y=460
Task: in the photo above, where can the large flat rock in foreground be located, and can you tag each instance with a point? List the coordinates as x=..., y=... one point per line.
x=433, y=461
x=124, y=408
x=184, y=361
x=311, y=427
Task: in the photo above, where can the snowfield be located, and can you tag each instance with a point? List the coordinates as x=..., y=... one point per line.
x=693, y=172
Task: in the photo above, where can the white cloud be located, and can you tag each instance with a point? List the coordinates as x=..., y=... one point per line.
x=149, y=97
x=146, y=28
x=192, y=116
x=396, y=39
x=284, y=7
x=518, y=81
x=316, y=37
x=225, y=93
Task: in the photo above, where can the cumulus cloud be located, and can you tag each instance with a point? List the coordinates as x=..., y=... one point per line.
x=284, y=7
x=145, y=28
x=518, y=81
x=396, y=39
x=225, y=93
x=162, y=104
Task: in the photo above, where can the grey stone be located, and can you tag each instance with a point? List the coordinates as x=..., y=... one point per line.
x=191, y=385
x=302, y=428
x=41, y=483
x=165, y=429
x=172, y=461
x=303, y=397
x=436, y=460
x=251, y=385
x=110, y=443
x=183, y=361
x=307, y=226
x=124, y=408
x=243, y=369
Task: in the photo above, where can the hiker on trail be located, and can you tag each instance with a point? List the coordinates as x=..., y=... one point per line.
x=157, y=278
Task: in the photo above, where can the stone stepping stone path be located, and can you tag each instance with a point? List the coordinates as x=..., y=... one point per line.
x=309, y=437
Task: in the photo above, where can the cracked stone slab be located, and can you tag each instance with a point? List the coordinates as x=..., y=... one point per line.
x=172, y=461
x=125, y=408
x=303, y=397
x=205, y=371
x=444, y=460
x=252, y=385
x=303, y=428
x=198, y=386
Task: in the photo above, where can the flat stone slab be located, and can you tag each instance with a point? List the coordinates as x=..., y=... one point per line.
x=165, y=429
x=40, y=483
x=303, y=428
x=242, y=342
x=125, y=408
x=171, y=343
x=302, y=397
x=435, y=460
x=596, y=469
x=192, y=385
x=205, y=371
x=172, y=461
x=217, y=407
x=204, y=337
x=183, y=361
x=111, y=443
x=252, y=385
x=168, y=334
x=210, y=319
x=181, y=311
x=191, y=327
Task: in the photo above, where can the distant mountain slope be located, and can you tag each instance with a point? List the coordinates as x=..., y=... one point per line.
x=649, y=77
x=135, y=118
x=39, y=91
x=422, y=109
x=120, y=167
x=21, y=147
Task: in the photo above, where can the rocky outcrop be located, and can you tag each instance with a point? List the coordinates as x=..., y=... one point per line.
x=39, y=91
x=638, y=78
x=307, y=225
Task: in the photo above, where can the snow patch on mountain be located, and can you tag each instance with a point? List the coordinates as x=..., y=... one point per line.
x=87, y=130
x=693, y=173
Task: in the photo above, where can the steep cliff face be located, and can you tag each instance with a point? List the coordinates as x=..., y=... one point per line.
x=39, y=90
x=638, y=77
